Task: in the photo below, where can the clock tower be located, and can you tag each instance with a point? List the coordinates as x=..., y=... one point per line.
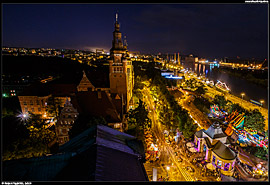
x=121, y=69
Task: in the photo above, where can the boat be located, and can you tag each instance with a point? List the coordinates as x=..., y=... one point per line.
x=255, y=102
x=222, y=86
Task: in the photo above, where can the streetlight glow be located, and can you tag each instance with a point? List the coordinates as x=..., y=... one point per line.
x=242, y=94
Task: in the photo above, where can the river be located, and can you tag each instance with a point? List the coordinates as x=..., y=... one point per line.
x=236, y=84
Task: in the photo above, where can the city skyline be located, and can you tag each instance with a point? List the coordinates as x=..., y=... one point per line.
x=207, y=30
x=70, y=114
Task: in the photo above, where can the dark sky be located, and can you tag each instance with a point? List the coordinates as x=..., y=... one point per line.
x=206, y=30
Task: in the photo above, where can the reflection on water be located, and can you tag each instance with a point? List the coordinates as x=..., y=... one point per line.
x=237, y=85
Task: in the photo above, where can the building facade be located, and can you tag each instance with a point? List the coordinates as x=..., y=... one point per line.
x=66, y=119
x=121, y=69
x=215, y=144
x=38, y=104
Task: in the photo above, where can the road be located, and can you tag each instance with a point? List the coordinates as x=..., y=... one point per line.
x=168, y=158
x=200, y=118
x=170, y=153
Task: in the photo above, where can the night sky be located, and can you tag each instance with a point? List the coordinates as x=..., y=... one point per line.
x=205, y=30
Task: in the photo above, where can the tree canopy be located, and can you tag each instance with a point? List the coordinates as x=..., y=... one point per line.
x=34, y=142
x=255, y=120
x=83, y=122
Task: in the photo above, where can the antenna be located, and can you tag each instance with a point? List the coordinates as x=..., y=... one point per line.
x=116, y=16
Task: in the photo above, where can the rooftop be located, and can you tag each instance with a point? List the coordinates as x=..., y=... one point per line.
x=99, y=153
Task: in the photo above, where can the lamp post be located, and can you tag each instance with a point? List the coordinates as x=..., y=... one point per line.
x=242, y=94
x=23, y=117
x=261, y=103
x=168, y=168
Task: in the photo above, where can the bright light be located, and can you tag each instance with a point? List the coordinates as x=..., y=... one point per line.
x=23, y=116
x=168, y=168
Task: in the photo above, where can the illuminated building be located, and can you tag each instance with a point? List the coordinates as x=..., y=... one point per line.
x=191, y=58
x=215, y=145
x=121, y=69
x=85, y=84
x=35, y=97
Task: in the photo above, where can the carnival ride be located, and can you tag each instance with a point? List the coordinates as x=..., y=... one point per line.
x=245, y=136
x=216, y=111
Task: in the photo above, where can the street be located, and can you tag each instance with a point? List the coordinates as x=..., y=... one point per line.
x=168, y=164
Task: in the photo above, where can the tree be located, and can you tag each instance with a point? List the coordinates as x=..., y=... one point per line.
x=83, y=122
x=35, y=143
x=255, y=120
x=202, y=104
x=53, y=107
x=221, y=101
x=13, y=130
x=140, y=114
x=189, y=129
x=200, y=90
x=259, y=152
x=235, y=107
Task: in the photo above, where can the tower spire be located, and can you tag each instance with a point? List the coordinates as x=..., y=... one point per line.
x=116, y=16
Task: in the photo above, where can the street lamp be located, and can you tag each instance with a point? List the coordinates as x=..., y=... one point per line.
x=23, y=117
x=261, y=103
x=167, y=168
x=242, y=94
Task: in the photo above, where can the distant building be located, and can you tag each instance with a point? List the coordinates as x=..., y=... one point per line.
x=99, y=153
x=12, y=90
x=190, y=58
x=35, y=98
x=215, y=145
